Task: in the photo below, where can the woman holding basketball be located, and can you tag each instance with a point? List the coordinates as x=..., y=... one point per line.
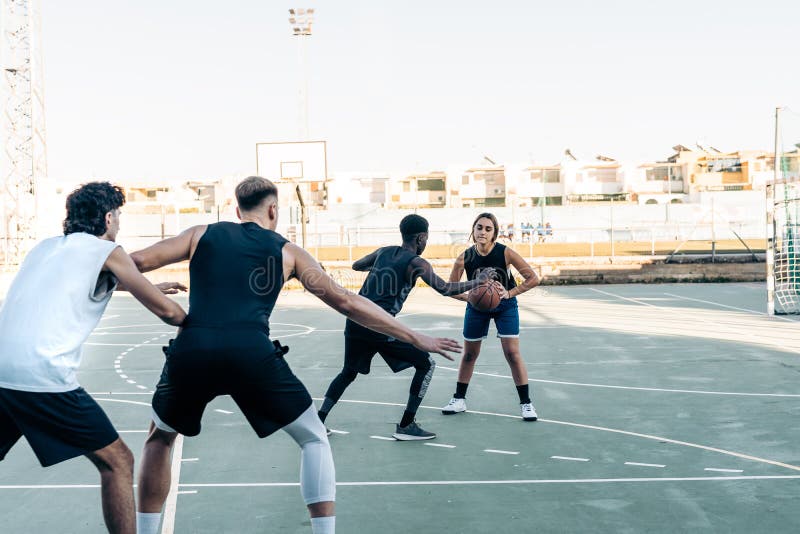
x=485, y=253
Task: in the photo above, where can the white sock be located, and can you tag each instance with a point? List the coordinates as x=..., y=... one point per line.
x=148, y=523
x=323, y=525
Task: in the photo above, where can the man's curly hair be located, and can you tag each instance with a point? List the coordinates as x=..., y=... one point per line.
x=87, y=207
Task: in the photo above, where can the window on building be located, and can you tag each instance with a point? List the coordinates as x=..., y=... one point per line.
x=465, y=179
x=552, y=176
x=789, y=164
x=406, y=187
x=430, y=184
x=664, y=174
x=546, y=201
x=494, y=177
x=724, y=165
x=602, y=175
x=490, y=202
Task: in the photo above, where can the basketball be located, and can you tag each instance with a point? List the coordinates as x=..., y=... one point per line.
x=484, y=297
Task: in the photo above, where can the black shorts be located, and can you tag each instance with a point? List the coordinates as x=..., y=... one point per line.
x=203, y=363
x=58, y=426
x=358, y=354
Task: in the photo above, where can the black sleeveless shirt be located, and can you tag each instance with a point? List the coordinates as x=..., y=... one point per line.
x=387, y=285
x=236, y=274
x=474, y=263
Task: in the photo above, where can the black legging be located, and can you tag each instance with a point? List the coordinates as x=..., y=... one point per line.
x=423, y=372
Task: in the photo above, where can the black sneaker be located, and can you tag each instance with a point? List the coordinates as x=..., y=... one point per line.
x=412, y=432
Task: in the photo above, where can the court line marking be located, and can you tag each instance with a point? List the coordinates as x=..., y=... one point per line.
x=439, y=482
x=171, y=506
x=443, y=445
x=752, y=338
x=128, y=326
x=753, y=312
x=565, y=423
x=162, y=332
x=338, y=431
x=497, y=451
x=570, y=458
x=118, y=393
x=384, y=438
x=186, y=492
x=623, y=298
x=635, y=388
x=126, y=401
x=719, y=470
x=498, y=482
x=606, y=429
x=108, y=344
x=223, y=411
x=644, y=465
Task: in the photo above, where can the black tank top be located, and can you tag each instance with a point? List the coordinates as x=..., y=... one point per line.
x=474, y=263
x=387, y=285
x=236, y=274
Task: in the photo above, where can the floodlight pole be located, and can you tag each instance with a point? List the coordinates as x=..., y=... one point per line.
x=24, y=147
x=301, y=21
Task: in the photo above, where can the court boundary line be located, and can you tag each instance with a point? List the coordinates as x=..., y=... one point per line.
x=437, y=482
x=752, y=312
x=171, y=505
x=636, y=388
x=735, y=454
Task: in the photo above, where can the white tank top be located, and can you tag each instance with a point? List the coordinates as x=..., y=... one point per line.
x=52, y=306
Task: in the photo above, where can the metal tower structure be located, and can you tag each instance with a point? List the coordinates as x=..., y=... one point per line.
x=301, y=20
x=24, y=145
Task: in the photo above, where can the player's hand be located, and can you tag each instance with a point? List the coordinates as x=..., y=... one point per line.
x=487, y=275
x=503, y=292
x=439, y=345
x=170, y=288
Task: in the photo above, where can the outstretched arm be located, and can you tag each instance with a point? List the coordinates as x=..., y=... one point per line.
x=456, y=273
x=365, y=263
x=518, y=262
x=168, y=251
x=363, y=311
x=425, y=271
x=122, y=267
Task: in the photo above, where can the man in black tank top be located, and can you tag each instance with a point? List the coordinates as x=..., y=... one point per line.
x=236, y=272
x=393, y=273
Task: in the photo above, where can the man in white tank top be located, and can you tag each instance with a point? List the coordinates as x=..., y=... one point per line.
x=52, y=306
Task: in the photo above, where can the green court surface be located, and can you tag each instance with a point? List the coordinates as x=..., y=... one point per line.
x=663, y=408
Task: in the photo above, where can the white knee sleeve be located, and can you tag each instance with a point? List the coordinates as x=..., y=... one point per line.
x=161, y=425
x=317, y=473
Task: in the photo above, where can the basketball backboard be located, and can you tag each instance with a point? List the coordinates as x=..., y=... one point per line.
x=292, y=161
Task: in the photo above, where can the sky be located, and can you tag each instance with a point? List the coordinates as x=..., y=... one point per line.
x=183, y=89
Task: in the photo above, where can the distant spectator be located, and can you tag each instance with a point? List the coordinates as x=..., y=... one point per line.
x=526, y=231
x=539, y=233
x=548, y=231
x=510, y=232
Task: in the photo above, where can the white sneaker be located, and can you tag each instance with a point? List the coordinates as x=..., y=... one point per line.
x=455, y=406
x=528, y=412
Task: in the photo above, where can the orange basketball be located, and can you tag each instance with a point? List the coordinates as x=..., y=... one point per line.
x=484, y=297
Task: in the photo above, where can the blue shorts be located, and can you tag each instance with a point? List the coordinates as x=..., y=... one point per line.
x=506, y=320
